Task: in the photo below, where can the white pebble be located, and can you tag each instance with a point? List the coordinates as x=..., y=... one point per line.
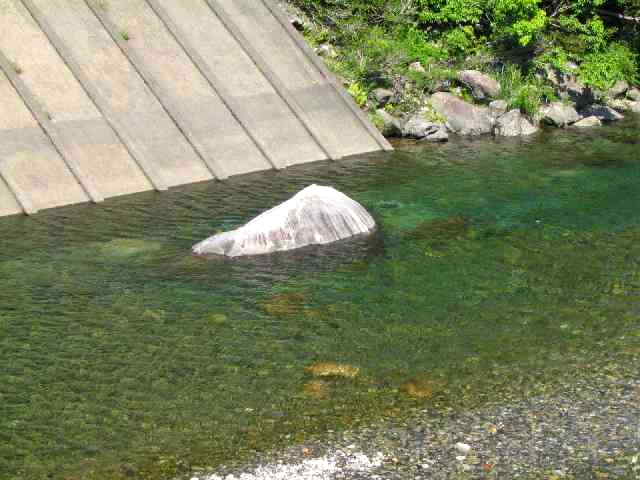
x=463, y=448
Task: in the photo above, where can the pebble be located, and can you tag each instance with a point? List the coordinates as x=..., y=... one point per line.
x=463, y=448
x=587, y=426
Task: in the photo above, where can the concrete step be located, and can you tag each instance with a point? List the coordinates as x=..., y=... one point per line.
x=101, y=98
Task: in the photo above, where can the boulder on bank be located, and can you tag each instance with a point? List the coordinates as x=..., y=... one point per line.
x=382, y=96
x=559, y=114
x=514, y=124
x=579, y=93
x=498, y=108
x=634, y=94
x=603, y=112
x=588, y=122
x=420, y=128
x=462, y=117
x=390, y=125
x=482, y=85
x=624, y=105
x=619, y=89
x=314, y=216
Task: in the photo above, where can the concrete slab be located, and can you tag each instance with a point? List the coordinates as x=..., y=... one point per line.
x=8, y=203
x=185, y=92
x=119, y=92
x=259, y=105
x=336, y=125
x=100, y=98
x=29, y=163
x=85, y=137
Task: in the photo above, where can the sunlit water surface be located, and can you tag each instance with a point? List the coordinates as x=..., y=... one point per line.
x=496, y=262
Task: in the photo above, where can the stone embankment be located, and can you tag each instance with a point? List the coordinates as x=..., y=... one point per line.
x=474, y=103
x=447, y=111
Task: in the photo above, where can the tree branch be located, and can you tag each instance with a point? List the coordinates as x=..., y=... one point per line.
x=619, y=16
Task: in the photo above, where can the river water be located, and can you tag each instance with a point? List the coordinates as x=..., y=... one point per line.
x=498, y=263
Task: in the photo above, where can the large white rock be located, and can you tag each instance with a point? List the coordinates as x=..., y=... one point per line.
x=314, y=216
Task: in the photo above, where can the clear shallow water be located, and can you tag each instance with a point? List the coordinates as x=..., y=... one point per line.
x=499, y=266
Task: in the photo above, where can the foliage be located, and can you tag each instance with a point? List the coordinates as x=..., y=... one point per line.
x=603, y=69
x=526, y=93
x=377, y=40
x=359, y=94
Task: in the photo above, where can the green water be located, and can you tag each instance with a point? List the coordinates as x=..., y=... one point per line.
x=500, y=267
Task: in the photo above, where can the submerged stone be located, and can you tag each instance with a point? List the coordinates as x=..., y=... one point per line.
x=332, y=369
x=317, y=389
x=127, y=247
x=314, y=216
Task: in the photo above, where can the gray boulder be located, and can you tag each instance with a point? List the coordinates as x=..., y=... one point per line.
x=419, y=127
x=382, y=96
x=498, y=108
x=326, y=50
x=579, y=93
x=619, y=89
x=391, y=126
x=314, y=216
x=438, y=136
x=482, y=85
x=603, y=112
x=634, y=106
x=514, y=124
x=625, y=105
x=588, y=122
x=417, y=67
x=462, y=117
x=634, y=94
x=559, y=114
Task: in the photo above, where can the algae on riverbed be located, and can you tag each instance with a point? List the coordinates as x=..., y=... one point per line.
x=158, y=365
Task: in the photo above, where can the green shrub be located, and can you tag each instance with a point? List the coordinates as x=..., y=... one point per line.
x=414, y=43
x=359, y=93
x=603, y=69
x=461, y=40
x=526, y=93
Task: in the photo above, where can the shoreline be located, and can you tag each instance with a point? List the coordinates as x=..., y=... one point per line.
x=589, y=429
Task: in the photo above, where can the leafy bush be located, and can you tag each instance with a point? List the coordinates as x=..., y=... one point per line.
x=526, y=93
x=359, y=94
x=603, y=69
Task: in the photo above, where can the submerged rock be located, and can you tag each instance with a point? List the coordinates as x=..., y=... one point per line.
x=127, y=247
x=333, y=369
x=314, y=216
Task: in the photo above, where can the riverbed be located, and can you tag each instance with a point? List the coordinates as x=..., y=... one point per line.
x=499, y=266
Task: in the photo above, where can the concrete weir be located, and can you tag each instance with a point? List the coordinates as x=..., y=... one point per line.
x=100, y=98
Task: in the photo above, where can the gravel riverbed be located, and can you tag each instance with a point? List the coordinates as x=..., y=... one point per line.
x=589, y=429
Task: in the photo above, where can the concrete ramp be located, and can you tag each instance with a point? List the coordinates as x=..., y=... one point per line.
x=100, y=98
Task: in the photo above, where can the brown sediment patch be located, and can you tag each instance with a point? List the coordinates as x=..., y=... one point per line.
x=332, y=369
x=285, y=304
x=441, y=230
x=317, y=389
x=422, y=386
